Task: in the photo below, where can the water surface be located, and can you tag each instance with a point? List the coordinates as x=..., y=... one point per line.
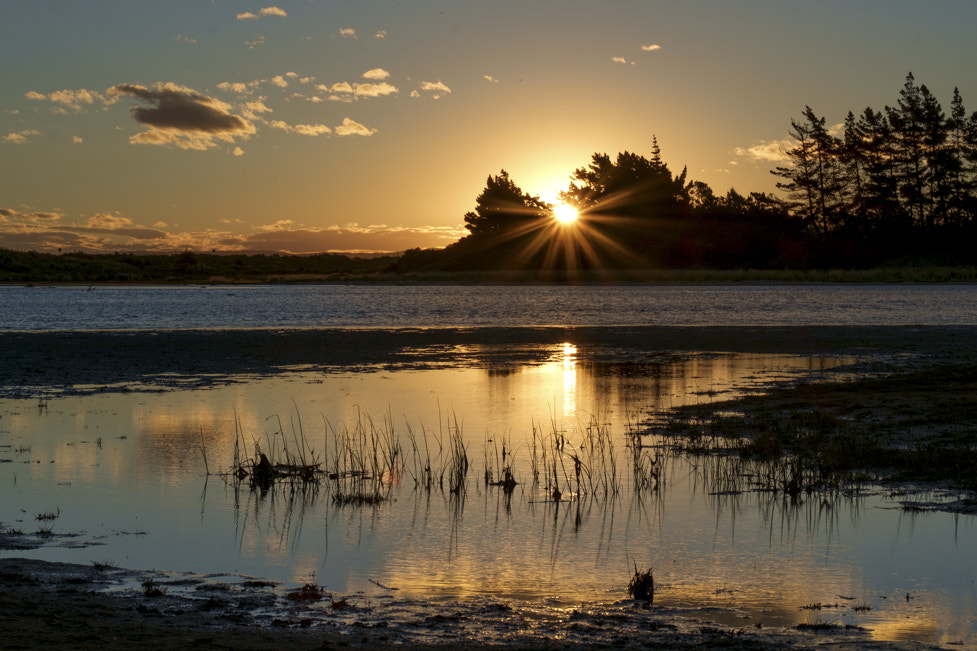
x=429, y=306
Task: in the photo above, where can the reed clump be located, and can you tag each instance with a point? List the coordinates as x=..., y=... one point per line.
x=642, y=585
x=365, y=462
x=279, y=460
x=570, y=468
x=440, y=459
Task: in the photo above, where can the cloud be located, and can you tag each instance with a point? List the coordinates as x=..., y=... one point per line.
x=180, y=116
x=107, y=232
x=105, y=221
x=340, y=87
x=436, y=88
x=21, y=137
x=651, y=48
x=236, y=87
x=621, y=60
x=267, y=11
x=360, y=90
x=253, y=109
x=237, y=152
x=381, y=34
x=766, y=152
x=351, y=128
x=302, y=129
x=347, y=32
x=77, y=140
x=349, y=239
x=255, y=43
x=490, y=79
x=374, y=90
x=186, y=39
x=76, y=100
x=11, y=216
x=376, y=74
x=279, y=81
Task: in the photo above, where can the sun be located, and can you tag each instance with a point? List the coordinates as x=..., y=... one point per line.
x=565, y=213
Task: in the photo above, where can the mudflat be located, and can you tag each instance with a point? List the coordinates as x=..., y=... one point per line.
x=106, y=360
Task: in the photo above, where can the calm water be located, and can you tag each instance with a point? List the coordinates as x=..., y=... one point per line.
x=126, y=470
x=365, y=306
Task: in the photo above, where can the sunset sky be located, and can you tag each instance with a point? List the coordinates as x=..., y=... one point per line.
x=369, y=125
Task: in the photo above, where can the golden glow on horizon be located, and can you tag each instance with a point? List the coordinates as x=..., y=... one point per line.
x=565, y=213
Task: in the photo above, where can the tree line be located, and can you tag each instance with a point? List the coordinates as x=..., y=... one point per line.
x=907, y=170
x=891, y=186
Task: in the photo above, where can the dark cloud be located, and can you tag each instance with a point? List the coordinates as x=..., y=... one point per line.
x=182, y=109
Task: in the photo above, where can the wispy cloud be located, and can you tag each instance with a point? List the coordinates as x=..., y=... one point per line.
x=347, y=32
x=436, y=89
x=351, y=128
x=651, y=48
x=266, y=11
x=76, y=100
x=302, y=129
x=374, y=90
x=766, y=151
x=381, y=34
x=490, y=79
x=182, y=117
x=21, y=137
x=238, y=87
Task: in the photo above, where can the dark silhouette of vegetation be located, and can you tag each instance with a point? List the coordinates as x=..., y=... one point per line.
x=893, y=187
x=188, y=266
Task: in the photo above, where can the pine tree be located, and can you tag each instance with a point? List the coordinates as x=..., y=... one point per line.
x=907, y=121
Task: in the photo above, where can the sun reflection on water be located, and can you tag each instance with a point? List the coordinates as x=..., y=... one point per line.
x=569, y=380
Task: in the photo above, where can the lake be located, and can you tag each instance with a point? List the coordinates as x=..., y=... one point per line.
x=124, y=465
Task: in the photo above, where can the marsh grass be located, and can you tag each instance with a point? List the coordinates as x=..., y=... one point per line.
x=498, y=465
x=572, y=467
x=366, y=460
x=440, y=459
x=803, y=450
x=49, y=515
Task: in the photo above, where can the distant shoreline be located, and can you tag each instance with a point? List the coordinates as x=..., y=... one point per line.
x=879, y=275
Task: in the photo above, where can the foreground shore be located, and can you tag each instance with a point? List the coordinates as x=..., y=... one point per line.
x=64, y=606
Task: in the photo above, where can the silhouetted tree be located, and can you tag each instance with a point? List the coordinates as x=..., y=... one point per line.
x=624, y=202
x=908, y=129
x=503, y=210
x=801, y=184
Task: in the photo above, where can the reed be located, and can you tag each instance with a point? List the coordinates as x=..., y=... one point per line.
x=365, y=461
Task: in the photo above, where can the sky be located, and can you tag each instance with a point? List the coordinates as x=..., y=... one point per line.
x=372, y=126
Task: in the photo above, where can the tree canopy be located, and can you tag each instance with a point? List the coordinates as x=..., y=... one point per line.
x=882, y=187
